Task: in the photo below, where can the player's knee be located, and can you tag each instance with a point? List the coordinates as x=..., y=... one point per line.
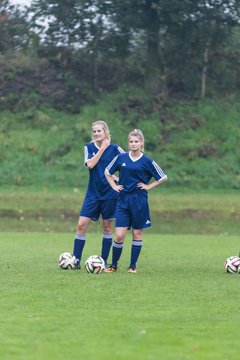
x=119, y=238
x=107, y=226
x=137, y=234
x=81, y=228
x=107, y=229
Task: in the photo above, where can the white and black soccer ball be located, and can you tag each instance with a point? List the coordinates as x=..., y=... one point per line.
x=232, y=265
x=95, y=264
x=66, y=261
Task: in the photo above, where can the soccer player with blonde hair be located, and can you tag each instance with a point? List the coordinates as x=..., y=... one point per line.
x=100, y=198
x=135, y=172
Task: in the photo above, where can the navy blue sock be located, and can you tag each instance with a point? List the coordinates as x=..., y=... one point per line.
x=136, y=249
x=116, y=253
x=79, y=243
x=106, y=246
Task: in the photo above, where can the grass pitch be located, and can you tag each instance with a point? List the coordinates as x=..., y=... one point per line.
x=180, y=305
x=179, y=211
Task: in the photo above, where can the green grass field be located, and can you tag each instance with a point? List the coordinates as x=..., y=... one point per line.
x=173, y=211
x=180, y=305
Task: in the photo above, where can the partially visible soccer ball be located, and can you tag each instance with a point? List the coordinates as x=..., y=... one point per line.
x=95, y=264
x=232, y=265
x=65, y=261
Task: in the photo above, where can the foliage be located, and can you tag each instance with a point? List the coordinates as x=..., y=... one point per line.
x=77, y=50
x=14, y=28
x=195, y=143
x=134, y=63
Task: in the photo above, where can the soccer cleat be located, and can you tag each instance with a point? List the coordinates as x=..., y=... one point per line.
x=76, y=264
x=77, y=267
x=132, y=270
x=110, y=269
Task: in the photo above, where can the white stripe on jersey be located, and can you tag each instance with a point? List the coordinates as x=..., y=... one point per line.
x=120, y=149
x=111, y=164
x=159, y=170
x=85, y=154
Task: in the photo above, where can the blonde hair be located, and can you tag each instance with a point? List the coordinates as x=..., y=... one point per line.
x=138, y=133
x=105, y=128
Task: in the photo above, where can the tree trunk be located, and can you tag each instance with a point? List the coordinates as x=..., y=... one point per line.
x=153, y=64
x=204, y=70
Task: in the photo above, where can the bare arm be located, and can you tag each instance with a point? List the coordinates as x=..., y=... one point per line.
x=153, y=184
x=110, y=179
x=94, y=160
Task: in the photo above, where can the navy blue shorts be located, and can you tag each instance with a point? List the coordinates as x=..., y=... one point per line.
x=92, y=209
x=133, y=210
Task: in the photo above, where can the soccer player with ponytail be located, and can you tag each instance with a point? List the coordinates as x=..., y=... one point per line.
x=135, y=172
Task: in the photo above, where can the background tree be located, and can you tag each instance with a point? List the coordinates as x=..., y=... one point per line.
x=194, y=39
x=71, y=51
x=14, y=28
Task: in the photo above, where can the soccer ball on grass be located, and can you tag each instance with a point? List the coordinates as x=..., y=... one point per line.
x=232, y=265
x=65, y=261
x=95, y=264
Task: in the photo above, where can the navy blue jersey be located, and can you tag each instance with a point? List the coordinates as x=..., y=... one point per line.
x=132, y=171
x=98, y=186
